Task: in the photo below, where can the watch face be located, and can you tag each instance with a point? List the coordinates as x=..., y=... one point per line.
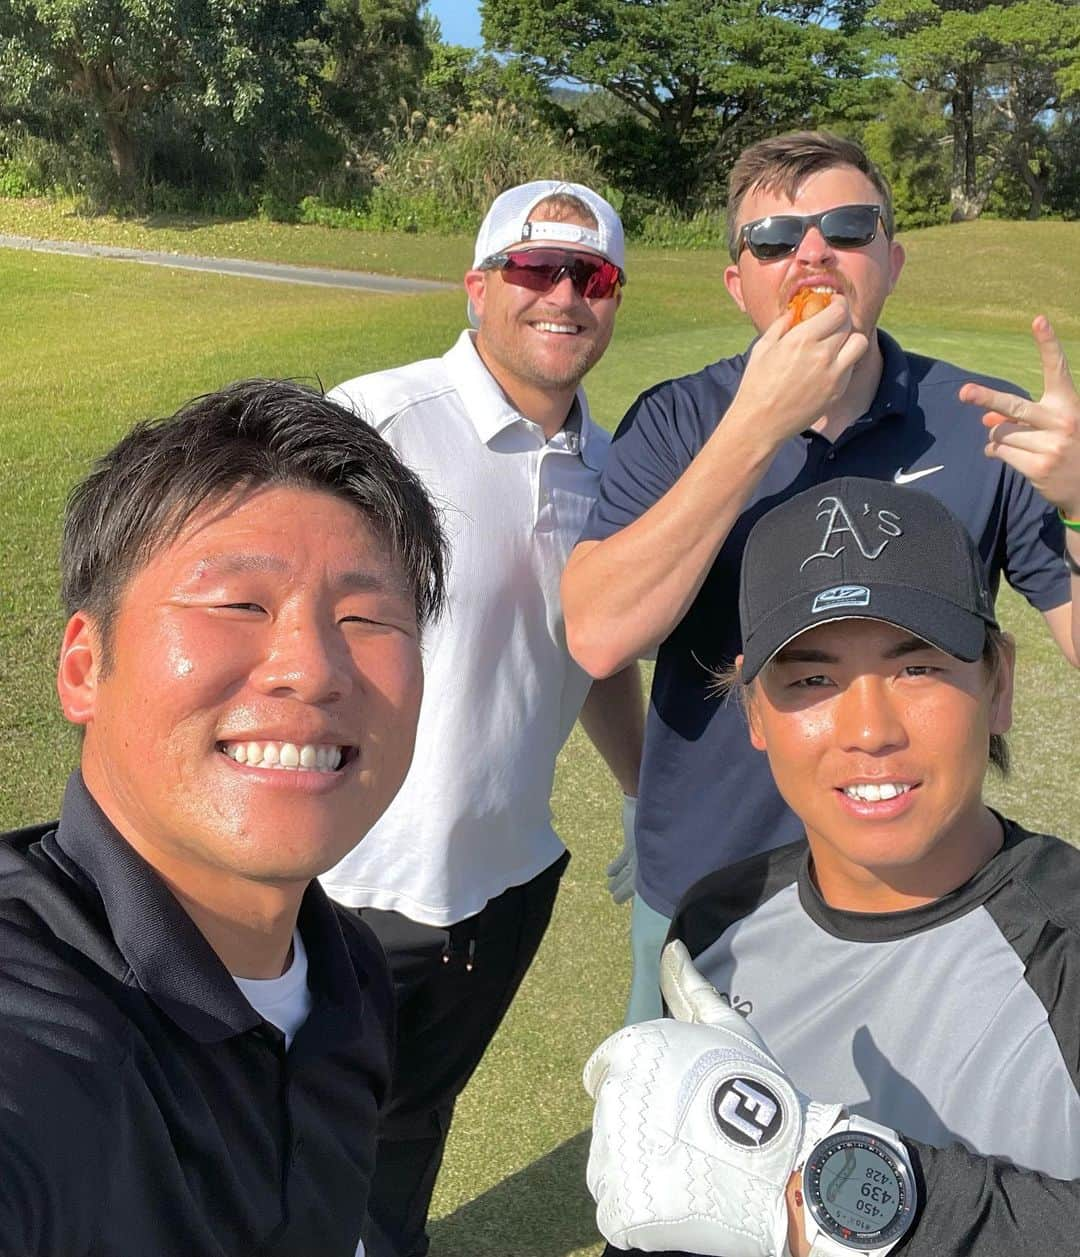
x=858, y=1191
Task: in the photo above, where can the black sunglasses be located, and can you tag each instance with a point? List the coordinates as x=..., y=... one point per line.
x=845, y=227
x=541, y=269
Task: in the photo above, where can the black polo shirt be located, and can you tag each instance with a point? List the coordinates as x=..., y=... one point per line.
x=707, y=798
x=146, y=1110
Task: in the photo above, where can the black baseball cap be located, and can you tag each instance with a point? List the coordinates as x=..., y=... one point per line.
x=856, y=548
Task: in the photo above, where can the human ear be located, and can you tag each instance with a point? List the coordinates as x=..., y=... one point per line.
x=476, y=288
x=1002, y=698
x=897, y=257
x=733, y=283
x=78, y=669
x=753, y=717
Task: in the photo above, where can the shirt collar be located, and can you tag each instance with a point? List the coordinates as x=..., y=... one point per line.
x=490, y=411
x=882, y=927
x=893, y=396
x=168, y=956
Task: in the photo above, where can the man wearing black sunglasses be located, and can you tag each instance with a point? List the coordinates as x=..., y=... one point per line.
x=459, y=877
x=657, y=567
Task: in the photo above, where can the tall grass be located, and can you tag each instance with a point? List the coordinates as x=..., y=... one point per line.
x=443, y=177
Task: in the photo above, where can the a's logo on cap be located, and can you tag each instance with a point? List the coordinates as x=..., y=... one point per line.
x=747, y=1112
x=839, y=523
x=841, y=596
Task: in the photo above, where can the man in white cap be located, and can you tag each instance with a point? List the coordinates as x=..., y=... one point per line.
x=459, y=877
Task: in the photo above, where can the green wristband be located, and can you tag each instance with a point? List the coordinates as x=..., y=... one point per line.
x=1074, y=524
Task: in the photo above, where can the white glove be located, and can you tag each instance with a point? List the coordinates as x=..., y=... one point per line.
x=697, y=1129
x=622, y=871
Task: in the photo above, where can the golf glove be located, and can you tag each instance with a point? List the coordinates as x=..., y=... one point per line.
x=696, y=1129
x=622, y=871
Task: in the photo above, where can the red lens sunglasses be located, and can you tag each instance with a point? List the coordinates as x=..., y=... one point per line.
x=540, y=270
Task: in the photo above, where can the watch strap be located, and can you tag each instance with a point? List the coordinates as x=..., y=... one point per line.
x=824, y=1245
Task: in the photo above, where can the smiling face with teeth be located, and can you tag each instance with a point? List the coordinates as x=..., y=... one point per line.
x=540, y=345
x=878, y=742
x=260, y=707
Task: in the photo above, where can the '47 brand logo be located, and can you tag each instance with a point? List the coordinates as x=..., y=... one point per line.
x=839, y=523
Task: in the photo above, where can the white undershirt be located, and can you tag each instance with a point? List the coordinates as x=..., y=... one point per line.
x=286, y=1001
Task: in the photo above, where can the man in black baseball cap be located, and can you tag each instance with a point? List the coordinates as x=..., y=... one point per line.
x=862, y=549
x=917, y=957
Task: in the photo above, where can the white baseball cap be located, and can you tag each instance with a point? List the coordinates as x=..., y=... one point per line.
x=507, y=223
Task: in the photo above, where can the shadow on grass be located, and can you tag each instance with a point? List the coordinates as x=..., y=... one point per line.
x=162, y=220
x=543, y=1210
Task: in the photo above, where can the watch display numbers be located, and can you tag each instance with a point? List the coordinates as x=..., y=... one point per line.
x=859, y=1190
x=871, y=1191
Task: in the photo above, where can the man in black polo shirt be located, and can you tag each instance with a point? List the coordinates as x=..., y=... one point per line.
x=698, y=460
x=194, y=1043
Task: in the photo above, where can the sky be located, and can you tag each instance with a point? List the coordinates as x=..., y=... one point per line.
x=460, y=21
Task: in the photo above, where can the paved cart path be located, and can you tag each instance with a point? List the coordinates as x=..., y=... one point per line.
x=278, y=272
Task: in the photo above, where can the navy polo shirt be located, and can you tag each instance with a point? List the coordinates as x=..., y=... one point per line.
x=145, y=1107
x=707, y=798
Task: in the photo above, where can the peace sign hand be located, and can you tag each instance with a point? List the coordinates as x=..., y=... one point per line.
x=1041, y=439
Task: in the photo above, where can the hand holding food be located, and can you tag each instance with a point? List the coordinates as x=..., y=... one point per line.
x=795, y=373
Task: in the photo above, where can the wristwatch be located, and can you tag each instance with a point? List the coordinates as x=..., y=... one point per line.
x=859, y=1190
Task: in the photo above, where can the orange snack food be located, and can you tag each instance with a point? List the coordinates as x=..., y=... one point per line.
x=807, y=302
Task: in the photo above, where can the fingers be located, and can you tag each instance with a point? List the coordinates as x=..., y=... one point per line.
x=1001, y=406
x=1018, y=436
x=852, y=350
x=1032, y=464
x=833, y=320
x=691, y=997
x=597, y=1066
x=777, y=329
x=621, y=882
x=1055, y=366
x=618, y=865
x=1055, y=409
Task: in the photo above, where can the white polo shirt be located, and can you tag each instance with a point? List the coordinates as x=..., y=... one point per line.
x=501, y=691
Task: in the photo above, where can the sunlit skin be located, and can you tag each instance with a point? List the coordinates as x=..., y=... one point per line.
x=539, y=369
x=277, y=616
x=860, y=701
x=843, y=332
x=864, y=276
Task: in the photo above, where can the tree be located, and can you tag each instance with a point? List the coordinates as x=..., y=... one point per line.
x=461, y=81
x=119, y=57
x=1002, y=67
x=698, y=78
x=370, y=58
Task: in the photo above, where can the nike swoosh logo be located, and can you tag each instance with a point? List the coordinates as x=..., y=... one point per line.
x=906, y=477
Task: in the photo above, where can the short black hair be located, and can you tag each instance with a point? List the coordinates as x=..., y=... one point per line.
x=140, y=494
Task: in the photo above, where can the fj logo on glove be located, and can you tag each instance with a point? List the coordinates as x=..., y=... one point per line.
x=748, y=1113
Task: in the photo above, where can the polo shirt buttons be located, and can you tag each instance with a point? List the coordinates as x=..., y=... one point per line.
x=830, y=456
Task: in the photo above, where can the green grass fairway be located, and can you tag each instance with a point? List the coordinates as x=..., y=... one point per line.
x=88, y=346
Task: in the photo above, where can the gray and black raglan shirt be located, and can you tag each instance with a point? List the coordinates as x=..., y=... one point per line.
x=957, y=1023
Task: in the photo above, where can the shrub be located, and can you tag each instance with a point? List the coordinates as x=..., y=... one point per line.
x=443, y=177
x=666, y=226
